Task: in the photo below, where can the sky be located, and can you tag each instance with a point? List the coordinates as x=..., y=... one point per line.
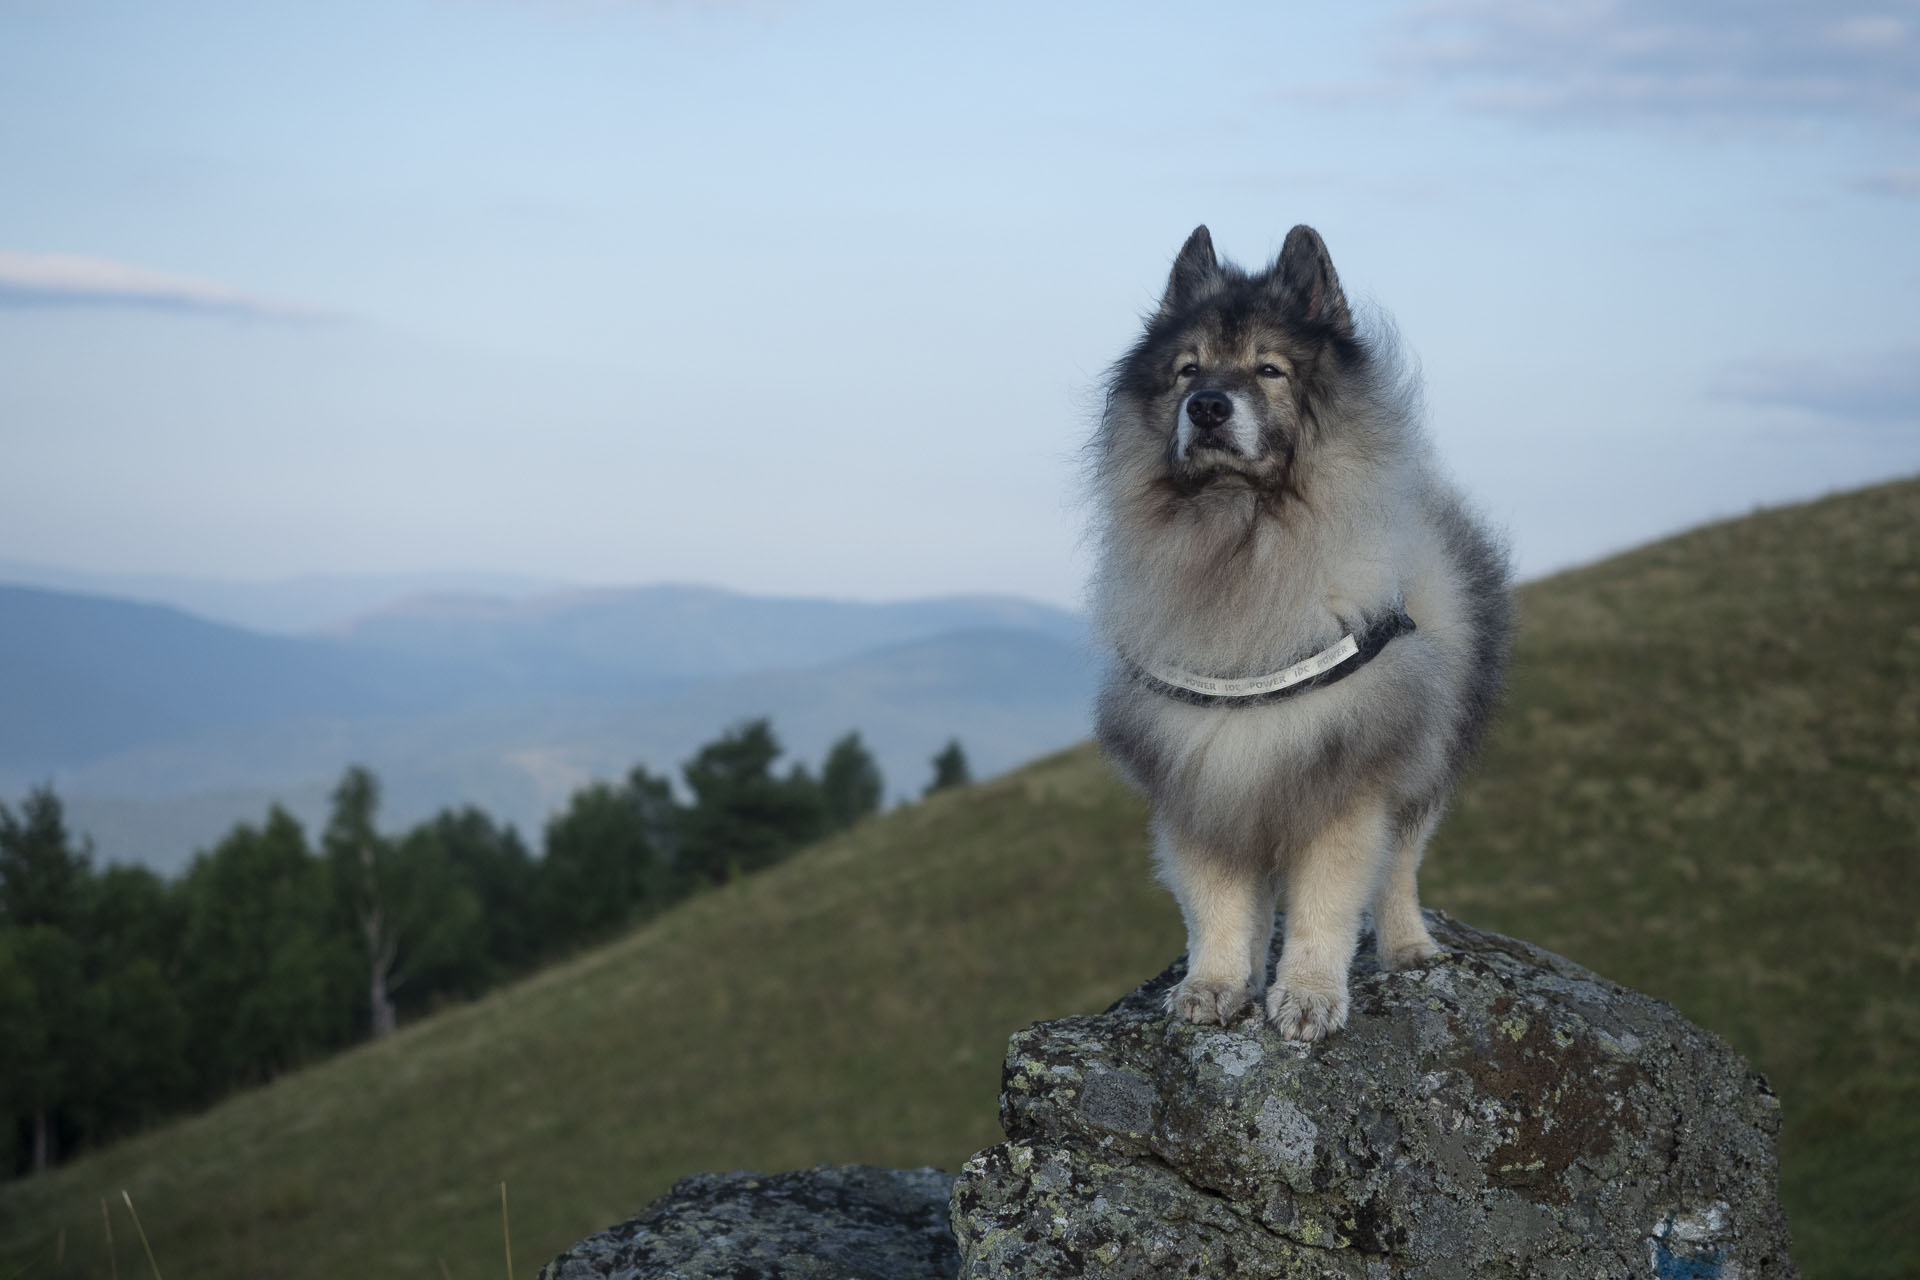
x=816, y=298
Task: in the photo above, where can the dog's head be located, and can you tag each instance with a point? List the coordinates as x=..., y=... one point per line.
x=1234, y=374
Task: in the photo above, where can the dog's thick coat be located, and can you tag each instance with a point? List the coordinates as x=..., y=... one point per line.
x=1264, y=490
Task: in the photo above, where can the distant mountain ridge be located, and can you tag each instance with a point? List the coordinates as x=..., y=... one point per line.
x=1010, y=610
x=82, y=676
x=161, y=729
x=280, y=606
x=673, y=632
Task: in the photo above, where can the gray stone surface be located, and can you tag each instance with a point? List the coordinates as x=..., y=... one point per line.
x=850, y=1222
x=1500, y=1113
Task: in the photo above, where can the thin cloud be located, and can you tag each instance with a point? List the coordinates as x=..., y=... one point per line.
x=1879, y=388
x=1901, y=182
x=1761, y=65
x=1377, y=92
x=65, y=279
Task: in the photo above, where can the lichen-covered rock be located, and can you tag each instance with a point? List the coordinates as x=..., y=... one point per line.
x=850, y=1222
x=1501, y=1112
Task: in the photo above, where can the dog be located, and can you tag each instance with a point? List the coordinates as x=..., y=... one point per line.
x=1308, y=628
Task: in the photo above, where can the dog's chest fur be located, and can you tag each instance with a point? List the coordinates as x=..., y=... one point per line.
x=1260, y=780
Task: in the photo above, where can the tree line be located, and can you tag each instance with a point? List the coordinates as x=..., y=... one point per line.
x=126, y=996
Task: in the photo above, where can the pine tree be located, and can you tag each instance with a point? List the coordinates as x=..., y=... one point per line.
x=43, y=876
x=608, y=858
x=744, y=817
x=491, y=861
x=950, y=768
x=29, y=1073
x=61, y=1028
x=850, y=782
x=268, y=975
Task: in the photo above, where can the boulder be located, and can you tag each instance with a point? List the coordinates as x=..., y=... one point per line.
x=851, y=1222
x=1501, y=1112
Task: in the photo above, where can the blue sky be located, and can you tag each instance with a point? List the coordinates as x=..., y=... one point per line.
x=815, y=298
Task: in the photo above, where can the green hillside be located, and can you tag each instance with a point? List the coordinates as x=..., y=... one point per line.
x=1707, y=786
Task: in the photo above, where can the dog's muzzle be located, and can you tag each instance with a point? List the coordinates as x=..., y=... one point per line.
x=1210, y=414
x=1211, y=421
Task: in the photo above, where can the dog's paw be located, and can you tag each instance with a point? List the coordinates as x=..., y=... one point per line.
x=1409, y=953
x=1200, y=1000
x=1301, y=1014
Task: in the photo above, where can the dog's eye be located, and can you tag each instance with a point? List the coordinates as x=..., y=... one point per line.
x=1188, y=370
x=1272, y=371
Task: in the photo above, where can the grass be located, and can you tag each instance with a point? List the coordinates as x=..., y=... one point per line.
x=1707, y=786
x=141, y=1231
x=850, y=1005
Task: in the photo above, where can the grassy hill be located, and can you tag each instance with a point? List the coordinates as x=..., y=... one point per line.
x=1707, y=786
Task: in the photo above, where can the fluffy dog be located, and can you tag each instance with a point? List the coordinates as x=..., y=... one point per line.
x=1309, y=629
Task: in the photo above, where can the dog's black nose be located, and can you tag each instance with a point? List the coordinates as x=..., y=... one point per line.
x=1209, y=409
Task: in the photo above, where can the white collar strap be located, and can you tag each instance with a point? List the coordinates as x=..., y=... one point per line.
x=1335, y=662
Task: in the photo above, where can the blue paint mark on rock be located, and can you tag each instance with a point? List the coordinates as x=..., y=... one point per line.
x=1668, y=1265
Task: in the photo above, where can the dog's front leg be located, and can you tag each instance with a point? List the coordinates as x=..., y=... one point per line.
x=1228, y=907
x=1327, y=885
x=1398, y=925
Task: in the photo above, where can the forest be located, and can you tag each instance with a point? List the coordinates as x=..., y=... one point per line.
x=126, y=997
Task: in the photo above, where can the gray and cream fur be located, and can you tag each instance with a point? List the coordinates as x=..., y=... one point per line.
x=1264, y=489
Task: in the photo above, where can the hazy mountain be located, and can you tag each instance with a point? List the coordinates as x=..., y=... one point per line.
x=161, y=730
x=1007, y=695
x=587, y=640
x=286, y=606
x=81, y=677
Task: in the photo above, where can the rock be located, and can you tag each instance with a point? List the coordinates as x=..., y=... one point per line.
x=851, y=1222
x=1501, y=1112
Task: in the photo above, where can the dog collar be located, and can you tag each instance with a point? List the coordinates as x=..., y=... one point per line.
x=1335, y=662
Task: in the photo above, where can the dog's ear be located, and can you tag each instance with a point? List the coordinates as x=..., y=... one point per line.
x=1195, y=271
x=1304, y=278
